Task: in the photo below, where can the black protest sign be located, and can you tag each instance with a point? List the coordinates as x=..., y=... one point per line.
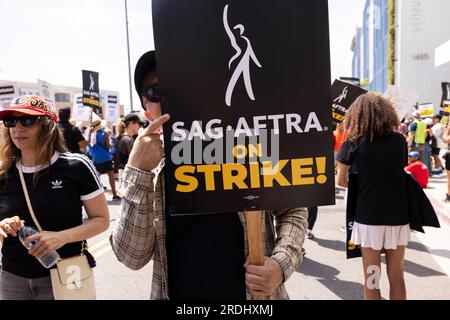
x=355, y=81
x=7, y=93
x=343, y=94
x=445, y=105
x=91, y=91
x=250, y=129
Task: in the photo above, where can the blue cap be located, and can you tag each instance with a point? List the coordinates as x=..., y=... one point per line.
x=414, y=154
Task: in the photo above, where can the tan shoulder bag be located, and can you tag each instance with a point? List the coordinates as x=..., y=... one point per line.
x=73, y=278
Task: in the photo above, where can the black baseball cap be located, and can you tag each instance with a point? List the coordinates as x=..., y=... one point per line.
x=132, y=117
x=146, y=64
x=64, y=114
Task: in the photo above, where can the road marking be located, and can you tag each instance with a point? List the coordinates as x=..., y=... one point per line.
x=101, y=252
x=440, y=209
x=100, y=248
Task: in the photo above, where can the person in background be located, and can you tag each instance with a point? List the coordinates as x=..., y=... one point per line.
x=427, y=150
x=417, y=135
x=132, y=124
x=437, y=144
x=99, y=147
x=403, y=128
x=120, y=132
x=312, y=217
x=339, y=138
x=376, y=154
x=73, y=137
x=446, y=139
x=417, y=169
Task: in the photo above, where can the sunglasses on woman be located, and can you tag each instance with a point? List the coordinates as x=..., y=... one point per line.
x=152, y=93
x=27, y=122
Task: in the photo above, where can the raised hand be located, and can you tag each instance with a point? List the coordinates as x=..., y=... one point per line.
x=148, y=148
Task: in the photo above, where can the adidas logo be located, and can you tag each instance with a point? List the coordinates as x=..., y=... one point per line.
x=56, y=184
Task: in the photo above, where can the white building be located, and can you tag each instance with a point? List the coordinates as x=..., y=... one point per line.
x=442, y=55
x=421, y=27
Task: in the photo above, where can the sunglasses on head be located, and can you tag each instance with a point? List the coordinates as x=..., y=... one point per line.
x=27, y=122
x=152, y=93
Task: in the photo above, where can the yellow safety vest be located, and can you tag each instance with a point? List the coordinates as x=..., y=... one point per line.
x=419, y=137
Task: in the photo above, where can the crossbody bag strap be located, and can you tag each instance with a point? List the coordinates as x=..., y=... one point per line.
x=27, y=197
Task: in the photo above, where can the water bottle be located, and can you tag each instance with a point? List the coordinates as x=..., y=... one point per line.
x=50, y=259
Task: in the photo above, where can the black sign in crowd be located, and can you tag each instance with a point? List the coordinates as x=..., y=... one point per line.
x=445, y=99
x=250, y=121
x=343, y=94
x=91, y=91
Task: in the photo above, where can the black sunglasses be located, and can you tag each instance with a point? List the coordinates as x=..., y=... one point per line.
x=152, y=93
x=27, y=122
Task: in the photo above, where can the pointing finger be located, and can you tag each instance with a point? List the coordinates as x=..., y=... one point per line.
x=155, y=125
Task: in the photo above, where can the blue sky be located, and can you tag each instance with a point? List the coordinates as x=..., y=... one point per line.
x=54, y=40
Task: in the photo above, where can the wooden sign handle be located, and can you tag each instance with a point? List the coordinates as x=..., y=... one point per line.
x=255, y=238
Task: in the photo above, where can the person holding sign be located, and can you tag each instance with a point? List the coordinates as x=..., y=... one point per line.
x=195, y=256
x=446, y=138
x=377, y=155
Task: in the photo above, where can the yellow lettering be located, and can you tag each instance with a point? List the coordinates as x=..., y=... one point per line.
x=255, y=150
x=181, y=176
x=209, y=171
x=240, y=151
x=255, y=179
x=274, y=173
x=229, y=179
x=299, y=171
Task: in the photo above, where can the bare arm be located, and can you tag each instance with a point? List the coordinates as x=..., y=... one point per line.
x=342, y=176
x=106, y=140
x=98, y=213
x=97, y=210
x=446, y=136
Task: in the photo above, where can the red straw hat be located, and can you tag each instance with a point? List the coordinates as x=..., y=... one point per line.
x=31, y=105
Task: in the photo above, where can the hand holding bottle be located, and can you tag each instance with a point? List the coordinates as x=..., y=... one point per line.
x=41, y=245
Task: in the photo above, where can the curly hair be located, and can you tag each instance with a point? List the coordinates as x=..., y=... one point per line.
x=50, y=140
x=370, y=117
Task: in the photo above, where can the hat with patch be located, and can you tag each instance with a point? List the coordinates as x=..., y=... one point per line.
x=30, y=105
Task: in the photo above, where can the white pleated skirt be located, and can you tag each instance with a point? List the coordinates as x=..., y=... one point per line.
x=380, y=237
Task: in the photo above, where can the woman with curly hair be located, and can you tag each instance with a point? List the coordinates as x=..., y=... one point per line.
x=377, y=155
x=59, y=184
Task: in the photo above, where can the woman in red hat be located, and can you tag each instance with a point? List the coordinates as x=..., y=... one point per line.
x=59, y=184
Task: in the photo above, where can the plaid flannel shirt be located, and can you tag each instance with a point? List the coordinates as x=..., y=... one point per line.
x=140, y=233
